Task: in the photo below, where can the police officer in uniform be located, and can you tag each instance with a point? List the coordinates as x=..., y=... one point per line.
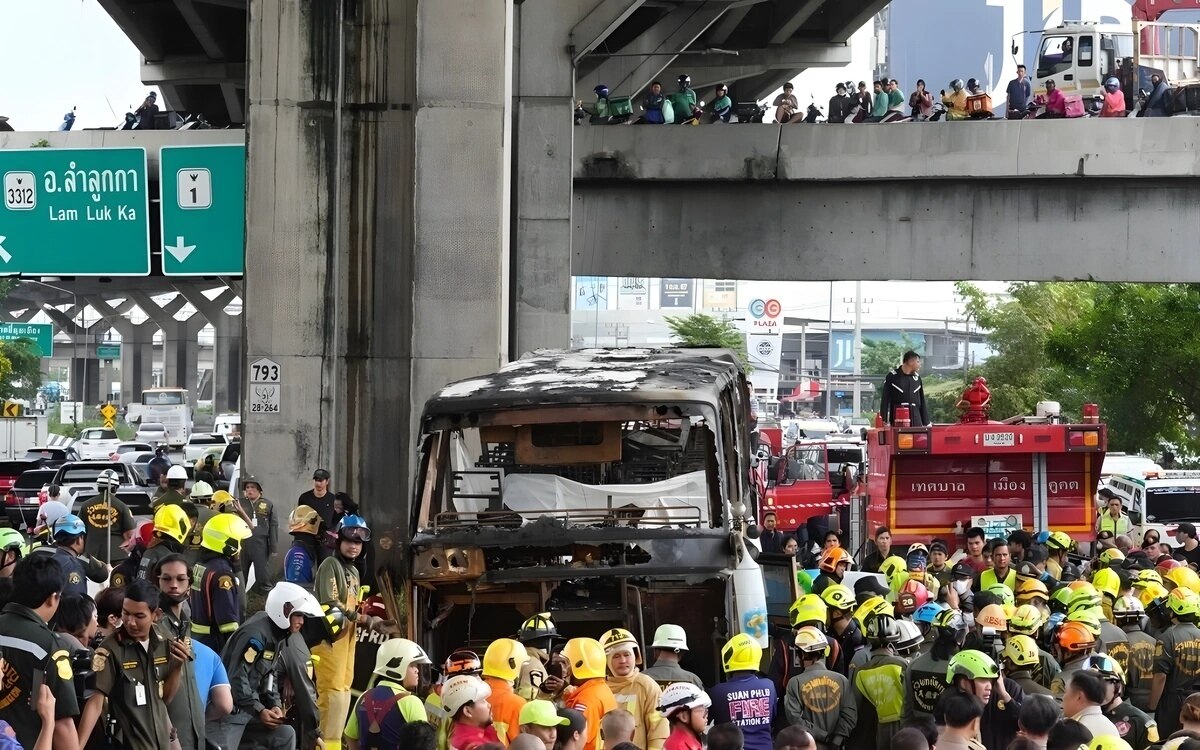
x=250, y=659
x=33, y=655
x=69, y=535
x=216, y=592
x=172, y=575
x=138, y=669
x=1133, y=725
x=258, y=549
x=818, y=699
x=110, y=524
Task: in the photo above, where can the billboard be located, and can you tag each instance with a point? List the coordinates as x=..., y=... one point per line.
x=677, y=293
x=633, y=293
x=764, y=342
x=843, y=345
x=591, y=292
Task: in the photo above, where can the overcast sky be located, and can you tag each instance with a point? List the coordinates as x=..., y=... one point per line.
x=60, y=54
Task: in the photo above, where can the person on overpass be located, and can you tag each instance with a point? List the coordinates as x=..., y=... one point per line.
x=921, y=102
x=1159, y=100
x=652, y=104
x=721, y=108
x=786, y=105
x=902, y=387
x=840, y=105
x=1056, y=102
x=895, y=97
x=863, y=97
x=1114, y=99
x=689, y=94
x=879, y=102
x=1019, y=92
x=956, y=101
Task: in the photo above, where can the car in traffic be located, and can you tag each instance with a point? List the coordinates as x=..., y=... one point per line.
x=154, y=433
x=139, y=460
x=200, y=443
x=97, y=442
x=227, y=425
x=78, y=482
x=52, y=456
x=229, y=467
x=10, y=470
x=25, y=497
x=130, y=446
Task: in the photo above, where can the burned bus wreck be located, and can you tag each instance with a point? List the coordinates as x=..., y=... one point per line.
x=609, y=487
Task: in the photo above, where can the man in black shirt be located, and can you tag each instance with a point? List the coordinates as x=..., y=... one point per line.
x=1189, y=552
x=902, y=387
x=319, y=498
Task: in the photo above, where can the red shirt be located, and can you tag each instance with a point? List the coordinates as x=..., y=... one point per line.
x=465, y=737
x=682, y=739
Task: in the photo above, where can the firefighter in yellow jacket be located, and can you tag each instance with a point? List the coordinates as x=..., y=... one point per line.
x=635, y=692
x=337, y=580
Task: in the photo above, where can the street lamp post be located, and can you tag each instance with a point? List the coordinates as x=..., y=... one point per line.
x=74, y=336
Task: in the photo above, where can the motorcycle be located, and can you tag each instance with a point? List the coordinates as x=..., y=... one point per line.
x=750, y=111
x=938, y=114
x=194, y=122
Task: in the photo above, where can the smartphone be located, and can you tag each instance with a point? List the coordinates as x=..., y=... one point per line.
x=39, y=679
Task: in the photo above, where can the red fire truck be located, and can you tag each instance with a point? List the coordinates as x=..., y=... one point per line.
x=932, y=481
x=810, y=478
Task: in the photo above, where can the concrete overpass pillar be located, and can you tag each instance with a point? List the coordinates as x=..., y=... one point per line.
x=542, y=163
x=378, y=230
x=227, y=363
x=137, y=360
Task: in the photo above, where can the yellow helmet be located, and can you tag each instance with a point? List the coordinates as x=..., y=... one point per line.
x=1183, y=601
x=1111, y=556
x=1150, y=591
x=1059, y=541
x=172, y=521
x=1029, y=589
x=1003, y=593
x=504, y=659
x=1021, y=651
x=838, y=596
x=224, y=533
x=220, y=499
x=1108, y=742
x=613, y=639
x=1184, y=577
x=1088, y=618
x=1108, y=582
x=741, y=654
x=876, y=605
x=304, y=520
x=1145, y=577
x=894, y=569
x=586, y=657
x=1026, y=620
x=810, y=640
x=808, y=608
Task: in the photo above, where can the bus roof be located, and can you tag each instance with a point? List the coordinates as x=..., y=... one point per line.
x=556, y=377
x=167, y=389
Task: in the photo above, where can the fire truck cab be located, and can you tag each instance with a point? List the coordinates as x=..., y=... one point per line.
x=931, y=481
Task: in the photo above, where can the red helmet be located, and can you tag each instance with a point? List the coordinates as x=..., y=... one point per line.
x=913, y=595
x=146, y=533
x=1167, y=565
x=832, y=558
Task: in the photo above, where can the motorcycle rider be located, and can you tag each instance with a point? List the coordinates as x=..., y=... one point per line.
x=1158, y=101
x=956, y=101
x=1056, y=102
x=691, y=100
x=721, y=108
x=1114, y=99
x=839, y=105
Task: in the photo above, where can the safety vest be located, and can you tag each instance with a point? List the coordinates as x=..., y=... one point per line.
x=987, y=579
x=1119, y=525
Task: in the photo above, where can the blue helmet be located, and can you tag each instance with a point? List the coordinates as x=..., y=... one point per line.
x=1112, y=85
x=601, y=91
x=1041, y=537
x=926, y=612
x=354, y=528
x=69, y=525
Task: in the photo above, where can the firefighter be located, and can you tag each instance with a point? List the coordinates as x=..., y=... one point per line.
x=976, y=674
x=592, y=696
x=817, y=698
x=1027, y=620
x=200, y=502
x=926, y=677
x=538, y=634
x=460, y=662
x=392, y=701
x=685, y=707
x=745, y=698
x=1021, y=658
x=502, y=664
x=1073, y=644
x=879, y=685
x=1177, y=661
x=110, y=524
x=1058, y=544
x=264, y=536
x=634, y=691
x=172, y=529
x=250, y=660
x=1128, y=613
x=298, y=691
x=70, y=536
x=1133, y=724
x=12, y=549
x=216, y=592
x=300, y=562
x=840, y=602
x=337, y=580
x=670, y=641
x=834, y=564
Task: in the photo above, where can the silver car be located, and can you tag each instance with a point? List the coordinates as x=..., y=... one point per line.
x=154, y=433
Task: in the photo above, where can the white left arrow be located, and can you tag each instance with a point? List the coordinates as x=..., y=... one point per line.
x=181, y=251
x=4, y=254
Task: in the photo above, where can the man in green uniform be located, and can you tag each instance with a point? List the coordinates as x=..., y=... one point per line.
x=1128, y=612
x=819, y=699
x=264, y=537
x=138, y=670
x=175, y=492
x=879, y=686
x=109, y=523
x=1134, y=725
x=1021, y=658
x=186, y=709
x=34, y=656
x=1177, y=660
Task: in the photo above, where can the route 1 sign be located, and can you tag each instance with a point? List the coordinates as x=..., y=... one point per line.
x=74, y=212
x=266, y=381
x=203, y=210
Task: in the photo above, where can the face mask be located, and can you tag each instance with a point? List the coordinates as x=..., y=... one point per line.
x=962, y=587
x=174, y=599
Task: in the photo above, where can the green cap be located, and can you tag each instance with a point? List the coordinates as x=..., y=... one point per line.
x=541, y=713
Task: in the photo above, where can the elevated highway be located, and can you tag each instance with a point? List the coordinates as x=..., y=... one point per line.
x=1084, y=199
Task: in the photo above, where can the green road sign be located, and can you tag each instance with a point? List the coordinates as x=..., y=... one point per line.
x=74, y=212
x=108, y=351
x=41, y=334
x=203, y=210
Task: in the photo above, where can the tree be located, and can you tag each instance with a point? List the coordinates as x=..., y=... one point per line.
x=20, y=369
x=879, y=356
x=705, y=330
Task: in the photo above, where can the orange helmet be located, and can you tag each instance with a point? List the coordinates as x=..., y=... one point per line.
x=1074, y=637
x=463, y=661
x=833, y=558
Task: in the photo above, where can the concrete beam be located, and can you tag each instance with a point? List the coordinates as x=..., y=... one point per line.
x=193, y=72
x=728, y=24
x=138, y=29
x=848, y=16
x=602, y=20
x=648, y=55
x=791, y=58
x=234, y=95
x=208, y=41
x=803, y=11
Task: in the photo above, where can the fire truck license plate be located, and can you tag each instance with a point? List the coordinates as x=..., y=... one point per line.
x=999, y=439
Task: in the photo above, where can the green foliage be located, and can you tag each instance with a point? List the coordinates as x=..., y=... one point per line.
x=20, y=369
x=705, y=330
x=879, y=356
x=73, y=429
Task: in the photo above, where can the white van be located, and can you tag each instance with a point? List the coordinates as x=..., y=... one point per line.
x=227, y=424
x=1160, y=501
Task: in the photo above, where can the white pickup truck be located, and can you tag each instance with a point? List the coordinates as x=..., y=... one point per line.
x=78, y=482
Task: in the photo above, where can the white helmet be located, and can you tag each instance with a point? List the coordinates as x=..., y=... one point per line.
x=177, y=472
x=50, y=513
x=201, y=491
x=679, y=696
x=461, y=690
x=108, y=480
x=396, y=655
x=286, y=599
x=670, y=637
x=911, y=637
